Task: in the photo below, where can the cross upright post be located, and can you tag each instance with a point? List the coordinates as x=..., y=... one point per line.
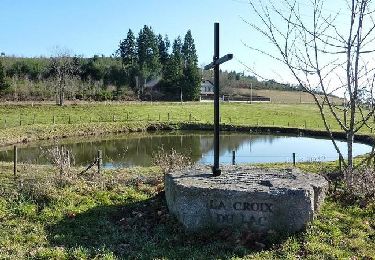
x=215, y=169
x=216, y=66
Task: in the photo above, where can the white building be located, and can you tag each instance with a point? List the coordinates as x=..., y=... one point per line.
x=207, y=88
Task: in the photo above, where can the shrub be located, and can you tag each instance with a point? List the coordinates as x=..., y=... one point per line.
x=170, y=161
x=361, y=182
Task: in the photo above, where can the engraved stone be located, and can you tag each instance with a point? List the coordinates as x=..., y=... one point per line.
x=244, y=197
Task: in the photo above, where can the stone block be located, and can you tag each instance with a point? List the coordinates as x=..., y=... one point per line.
x=244, y=197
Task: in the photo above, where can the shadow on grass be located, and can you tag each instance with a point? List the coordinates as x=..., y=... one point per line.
x=145, y=230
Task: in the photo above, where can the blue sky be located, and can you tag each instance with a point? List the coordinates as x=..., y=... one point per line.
x=87, y=27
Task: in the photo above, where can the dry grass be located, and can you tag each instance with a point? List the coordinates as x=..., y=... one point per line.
x=361, y=182
x=170, y=161
x=285, y=97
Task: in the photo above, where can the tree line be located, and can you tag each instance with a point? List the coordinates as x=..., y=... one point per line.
x=142, y=67
x=148, y=57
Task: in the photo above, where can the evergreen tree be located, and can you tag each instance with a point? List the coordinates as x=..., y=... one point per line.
x=191, y=77
x=128, y=50
x=163, y=45
x=188, y=50
x=177, y=58
x=129, y=57
x=174, y=70
x=148, y=53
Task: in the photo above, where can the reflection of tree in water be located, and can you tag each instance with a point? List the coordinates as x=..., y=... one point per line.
x=139, y=150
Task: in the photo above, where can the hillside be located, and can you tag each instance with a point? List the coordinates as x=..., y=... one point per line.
x=284, y=96
x=239, y=85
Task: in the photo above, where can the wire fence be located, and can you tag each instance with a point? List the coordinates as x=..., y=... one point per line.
x=100, y=161
x=10, y=121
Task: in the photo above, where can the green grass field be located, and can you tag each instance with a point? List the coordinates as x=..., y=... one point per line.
x=122, y=214
x=266, y=114
x=26, y=122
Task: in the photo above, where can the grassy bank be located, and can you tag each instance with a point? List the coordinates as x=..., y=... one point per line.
x=22, y=123
x=122, y=215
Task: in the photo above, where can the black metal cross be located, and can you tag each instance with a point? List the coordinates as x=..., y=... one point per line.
x=215, y=65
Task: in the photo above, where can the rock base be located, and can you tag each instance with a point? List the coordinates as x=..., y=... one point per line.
x=244, y=197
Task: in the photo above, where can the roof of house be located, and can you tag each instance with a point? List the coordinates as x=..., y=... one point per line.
x=152, y=83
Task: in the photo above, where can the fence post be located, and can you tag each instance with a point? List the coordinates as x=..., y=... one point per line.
x=61, y=152
x=34, y=119
x=99, y=161
x=15, y=159
x=190, y=117
x=294, y=159
x=113, y=118
x=168, y=116
x=127, y=116
x=159, y=117
x=70, y=120
x=53, y=119
x=305, y=124
x=5, y=122
x=68, y=158
x=233, y=157
x=20, y=121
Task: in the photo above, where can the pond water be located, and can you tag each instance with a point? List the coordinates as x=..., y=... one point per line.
x=139, y=149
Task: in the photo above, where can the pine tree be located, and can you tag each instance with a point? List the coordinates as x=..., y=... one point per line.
x=174, y=68
x=173, y=72
x=177, y=58
x=148, y=53
x=191, y=77
x=188, y=50
x=163, y=45
x=128, y=50
x=129, y=57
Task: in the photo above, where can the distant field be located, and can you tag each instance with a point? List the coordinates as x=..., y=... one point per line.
x=262, y=114
x=285, y=97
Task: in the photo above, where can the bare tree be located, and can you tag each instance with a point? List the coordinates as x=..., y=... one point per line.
x=64, y=67
x=327, y=53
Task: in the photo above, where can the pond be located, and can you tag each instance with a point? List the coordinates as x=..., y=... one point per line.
x=138, y=149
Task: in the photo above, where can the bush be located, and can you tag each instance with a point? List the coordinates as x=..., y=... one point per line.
x=171, y=161
x=103, y=95
x=361, y=182
x=3, y=83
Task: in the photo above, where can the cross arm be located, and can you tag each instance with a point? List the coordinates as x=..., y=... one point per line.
x=219, y=61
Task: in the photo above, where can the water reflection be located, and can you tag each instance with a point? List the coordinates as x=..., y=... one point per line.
x=139, y=149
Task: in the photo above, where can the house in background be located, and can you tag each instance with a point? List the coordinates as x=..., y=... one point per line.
x=207, y=87
x=207, y=90
x=152, y=83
